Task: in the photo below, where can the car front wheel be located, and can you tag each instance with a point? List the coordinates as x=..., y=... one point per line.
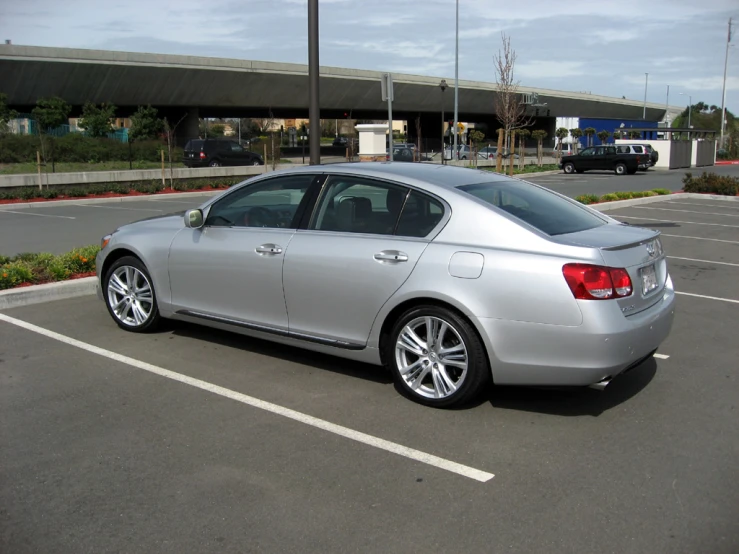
x=436, y=357
x=569, y=168
x=620, y=169
x=215, y=163
x=129, y=295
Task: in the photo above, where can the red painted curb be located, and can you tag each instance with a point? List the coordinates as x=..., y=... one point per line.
x=727, y=162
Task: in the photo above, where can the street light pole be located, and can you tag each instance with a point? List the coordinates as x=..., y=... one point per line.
x=690, y=106
x=442, y=86
x=456, y=81
x=646, y=83
x=667, y=101
x=314, y=113
x=723, y=92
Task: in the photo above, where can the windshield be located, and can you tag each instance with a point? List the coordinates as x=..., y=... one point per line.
x=536, y=206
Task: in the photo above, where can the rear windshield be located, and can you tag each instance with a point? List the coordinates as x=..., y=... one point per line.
x=536, y=206
x=194, y=145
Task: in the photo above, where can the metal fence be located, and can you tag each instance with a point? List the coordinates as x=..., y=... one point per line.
x=25, y=124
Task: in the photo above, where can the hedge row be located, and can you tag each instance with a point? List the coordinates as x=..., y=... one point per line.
x=34, y=269
x=82, y=191
x=711, y=183
x=77, y=148
x=611, y=196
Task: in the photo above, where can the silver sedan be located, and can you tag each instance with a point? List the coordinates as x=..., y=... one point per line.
x=449, y=277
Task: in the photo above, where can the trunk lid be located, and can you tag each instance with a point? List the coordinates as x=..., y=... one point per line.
x=636, y=249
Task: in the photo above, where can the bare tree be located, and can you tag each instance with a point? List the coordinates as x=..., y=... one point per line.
x=169, y=131
x=508, y=101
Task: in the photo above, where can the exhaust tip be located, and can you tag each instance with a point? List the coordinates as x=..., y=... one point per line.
x=602, y=384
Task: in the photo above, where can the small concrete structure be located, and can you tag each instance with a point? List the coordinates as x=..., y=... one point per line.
x=372, y=142
x=678, y=148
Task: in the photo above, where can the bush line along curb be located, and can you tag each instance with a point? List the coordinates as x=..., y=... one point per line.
x=36, y=294
x=94, y=200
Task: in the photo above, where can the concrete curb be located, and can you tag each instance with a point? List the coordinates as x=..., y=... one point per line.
x=94, y=200
x=36, y=294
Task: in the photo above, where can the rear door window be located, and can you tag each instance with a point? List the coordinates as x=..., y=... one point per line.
x=195, y=145
x=535, y=206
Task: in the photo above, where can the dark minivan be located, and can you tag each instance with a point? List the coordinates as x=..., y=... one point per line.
x=218, y=152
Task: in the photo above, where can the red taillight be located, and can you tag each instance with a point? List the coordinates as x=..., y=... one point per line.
x=593, y=282
x=202, y=155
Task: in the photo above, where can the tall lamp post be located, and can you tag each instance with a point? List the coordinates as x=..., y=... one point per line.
x=314, y=113
x=690, y=106
x=442, y=86
x=646, y=83
x=456, y=81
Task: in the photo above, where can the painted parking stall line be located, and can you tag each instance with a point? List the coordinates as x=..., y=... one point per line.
x=661, y=356
x=707, y=297
x=117, y=208
x=2, y=210
x=699, y=238
x=683, y=211
x=648, y=219
x=346, y=432
x=702, y=261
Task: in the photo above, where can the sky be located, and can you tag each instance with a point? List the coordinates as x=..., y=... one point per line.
x=599, y=46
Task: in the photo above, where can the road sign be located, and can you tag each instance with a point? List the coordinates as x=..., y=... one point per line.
x=386, y=82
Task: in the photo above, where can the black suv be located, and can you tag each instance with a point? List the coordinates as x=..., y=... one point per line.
x=218, y=152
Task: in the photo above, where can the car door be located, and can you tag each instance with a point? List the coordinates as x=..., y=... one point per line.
x=599, y=159
x=364, y=240
x=232, y=266
x=585, y=159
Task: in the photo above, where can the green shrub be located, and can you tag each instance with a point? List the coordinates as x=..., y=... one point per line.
x=661, y=191
x=624, y=195
x=711, y=183
x=587, y=198
x=610, y=197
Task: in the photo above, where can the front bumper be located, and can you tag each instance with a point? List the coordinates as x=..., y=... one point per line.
x=603, y=346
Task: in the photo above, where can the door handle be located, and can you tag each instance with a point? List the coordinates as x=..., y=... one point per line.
x=391, y=256
x=269, y=249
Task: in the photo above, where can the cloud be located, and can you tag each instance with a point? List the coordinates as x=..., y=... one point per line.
x=606, y=36
x=546, y=69
x=402, y=49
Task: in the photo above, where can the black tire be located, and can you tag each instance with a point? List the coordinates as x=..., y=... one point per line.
x=154, y=319
x=569, y=168
x=255, y=162
x=620, y=169
x=215, y=163
x=478, y=369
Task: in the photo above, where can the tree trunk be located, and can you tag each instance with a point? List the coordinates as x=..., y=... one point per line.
x=511, y=153
x=499, y=156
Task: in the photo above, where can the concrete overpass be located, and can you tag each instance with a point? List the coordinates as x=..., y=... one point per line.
x=219, y=87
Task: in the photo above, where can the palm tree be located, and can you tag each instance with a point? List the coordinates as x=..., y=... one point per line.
x=539, y=135
x=603, y=136
x=576, y=133
x=522, y=134
x=634, y=134
x=561, y=134
x=589, y=132
x=617, y=135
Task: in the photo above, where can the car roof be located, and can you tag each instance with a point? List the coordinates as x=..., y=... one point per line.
x=445, y=176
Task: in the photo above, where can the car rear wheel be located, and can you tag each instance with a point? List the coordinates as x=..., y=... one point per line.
x=569, y=168
x=129, y=295
x=620, y=169
x=255, y=162
x=215, y=163
x=436, y=357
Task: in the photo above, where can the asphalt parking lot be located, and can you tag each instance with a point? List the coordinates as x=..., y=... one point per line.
x=57, y=228
x=195, y=440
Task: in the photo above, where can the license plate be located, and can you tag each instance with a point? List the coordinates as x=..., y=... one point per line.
x=648, y=279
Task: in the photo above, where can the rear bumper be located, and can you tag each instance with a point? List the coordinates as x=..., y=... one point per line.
x=605, y=345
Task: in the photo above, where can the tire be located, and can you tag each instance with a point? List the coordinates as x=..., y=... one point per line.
x=569, y=168
x=255, y=162
x=620, y=169
x=430, y=382
x=215, y=163
x=140, y=313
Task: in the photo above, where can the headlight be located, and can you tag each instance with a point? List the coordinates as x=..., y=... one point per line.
x=104, y=241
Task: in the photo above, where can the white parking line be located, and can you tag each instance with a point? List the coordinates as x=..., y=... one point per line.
x=37, y=215
x=702, y=261
x=346, y=432
x=117, y=208
x=674, y=221
x=729, y=205
x=684, y=211
x=708, y=297
x=699, y=238
x=661, y=356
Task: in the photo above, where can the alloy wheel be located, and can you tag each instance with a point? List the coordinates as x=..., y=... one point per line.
x=431, y=357
x=130, y=296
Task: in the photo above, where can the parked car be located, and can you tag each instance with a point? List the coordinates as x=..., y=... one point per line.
x=567, y=150
x=218, y=152
x=463, y=152
x=450, y=277
x=340, y=141
x=401, y=154
x=490, y=153
x=644, y=153
x=603, y=158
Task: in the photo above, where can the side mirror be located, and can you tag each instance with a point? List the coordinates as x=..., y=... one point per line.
x=194, y=219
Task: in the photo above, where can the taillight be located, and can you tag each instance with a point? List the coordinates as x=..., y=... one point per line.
x=594, y=282
x=202, y=155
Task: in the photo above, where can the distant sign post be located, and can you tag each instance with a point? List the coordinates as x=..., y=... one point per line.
x=387, y=94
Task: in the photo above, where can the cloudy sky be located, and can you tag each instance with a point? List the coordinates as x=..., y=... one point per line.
x=599, y=46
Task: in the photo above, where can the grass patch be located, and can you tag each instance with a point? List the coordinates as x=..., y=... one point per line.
x=33, y=268
x=75, y=167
